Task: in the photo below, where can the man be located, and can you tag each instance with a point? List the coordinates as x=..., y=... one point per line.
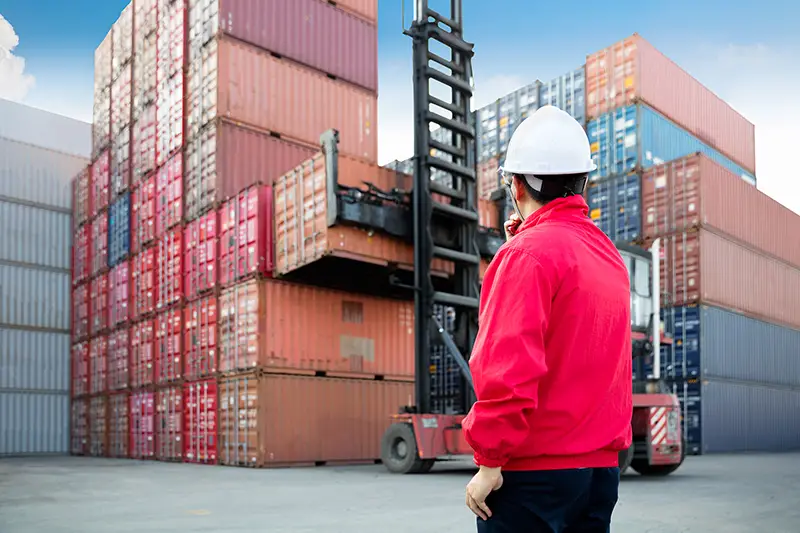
x=552, y=359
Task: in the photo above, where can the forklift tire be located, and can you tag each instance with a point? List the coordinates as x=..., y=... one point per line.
x=399, y=451
x=645, y=469
x=625, y=459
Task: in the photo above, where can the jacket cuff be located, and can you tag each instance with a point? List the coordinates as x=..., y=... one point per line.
x=481, y=460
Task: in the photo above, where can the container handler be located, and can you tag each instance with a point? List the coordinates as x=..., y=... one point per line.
x=446, y=322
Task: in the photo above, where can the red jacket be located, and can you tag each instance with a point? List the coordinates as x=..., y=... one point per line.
x=552, y=358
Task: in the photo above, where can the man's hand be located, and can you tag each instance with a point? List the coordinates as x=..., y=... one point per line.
x=511, y=225
x=481, y=485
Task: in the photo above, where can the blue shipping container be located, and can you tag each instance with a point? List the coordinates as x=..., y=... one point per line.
x=567, y=92
x=615, y=206
x=638, y=137
x=119, y=230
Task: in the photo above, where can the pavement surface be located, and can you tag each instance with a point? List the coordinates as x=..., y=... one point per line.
x=730, y=494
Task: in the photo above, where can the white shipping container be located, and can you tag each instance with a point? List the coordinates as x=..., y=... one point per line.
x=34, y=298
x=35, y=236
x=47, y=130
x=34, y=361
x=34, y=423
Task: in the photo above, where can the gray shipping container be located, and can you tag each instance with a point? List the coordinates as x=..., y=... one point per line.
x=35, y=236
x=36, y=127
x=34, y=423
x=31, y=298
x=34, y=361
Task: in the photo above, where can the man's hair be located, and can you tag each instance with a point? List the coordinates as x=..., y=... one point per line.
x=543, y=198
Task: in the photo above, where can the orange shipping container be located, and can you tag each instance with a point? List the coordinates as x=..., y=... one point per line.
x=275, y=420
x=365, y=9
x=266, y=324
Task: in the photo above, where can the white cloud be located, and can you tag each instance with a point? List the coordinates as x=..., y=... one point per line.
x=14, y=83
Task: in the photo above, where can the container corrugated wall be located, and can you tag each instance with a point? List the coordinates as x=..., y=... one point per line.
x=34, y=299
x=45, y=130
x=35, y=236
x=33, y=423
x=34, y=360
x=615, y=206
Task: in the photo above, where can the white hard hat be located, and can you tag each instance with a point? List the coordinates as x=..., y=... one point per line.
x=549, y=142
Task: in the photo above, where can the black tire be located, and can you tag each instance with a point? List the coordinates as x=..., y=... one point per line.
x=625, y=459
x=399, y=451
x=646, y=469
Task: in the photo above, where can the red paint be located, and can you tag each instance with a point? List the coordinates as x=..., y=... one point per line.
x=98, y=426
x=98, y=353
x=98, y=293
x=169, y=118
x=142, y=357
x=79, y=427
x=169, y=269
x=245, y=235
x=171, y=31
x=143, y=283
x=81, y=262
x=169, y=194
x=81, y=199
x=200, y=338
x=144, y=144
x=200, y=415
x=118, y=359
x=143, y=214
x=80, y=312
x=200, y=255
x=101, y=120
x=119, y=287
x=80, y=369
x=99, y=244
x=169, y=424
x=168, y=350
x=120, y=163
x=142, y=428
x=118, y=425
x=101, y=174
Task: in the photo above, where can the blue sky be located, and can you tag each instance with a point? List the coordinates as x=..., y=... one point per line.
x=747, y=53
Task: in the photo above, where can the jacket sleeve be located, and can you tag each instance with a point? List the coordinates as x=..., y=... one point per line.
x=508, y=357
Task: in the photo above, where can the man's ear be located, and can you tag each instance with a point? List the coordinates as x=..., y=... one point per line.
x=519, y=188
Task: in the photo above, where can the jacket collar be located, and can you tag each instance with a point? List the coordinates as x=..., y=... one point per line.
x=569, y=208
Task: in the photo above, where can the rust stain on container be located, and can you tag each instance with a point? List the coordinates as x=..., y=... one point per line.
x=274, y=420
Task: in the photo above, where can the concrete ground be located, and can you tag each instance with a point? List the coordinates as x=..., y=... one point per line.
x=730, y=494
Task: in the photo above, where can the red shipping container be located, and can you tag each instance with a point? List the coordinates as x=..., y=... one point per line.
x=200, y=415
x=118, y=425
x=119, y=286
x=143, y=214
x=245, y=247
x=102, y=63
x=143, y=282
x=99, y=304
x=118, y=359
x=122, y=33
x=142, y=436
x=335, y=42
x=488, y=177
x=169, y=424
x=171, y=38
x=142, y=356
x=98, y=426
x=265, y=324
x=169, y=194
x=169, y=351
x=79, y=427
x=121, y=100
x=695, y=191
x=145, y=45
x=144, y=144
x=80, y=369
x=633, y=70
x=200, y=338
x=101, y=176
x=224, y=159
x=80, y=312
x=121, y=162
x=169, y=118
x=488, y=214
x=81, y=199
x=99, y=243
x=101, y=121
x=98, y=363
x=237, y=81
x=169, y=269
x=200, y=255
x=278, y=420
x=81, y=261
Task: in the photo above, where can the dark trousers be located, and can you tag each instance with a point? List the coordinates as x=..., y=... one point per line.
x=554, y=501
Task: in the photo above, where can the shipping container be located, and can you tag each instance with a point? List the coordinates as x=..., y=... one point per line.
x=143, y=214
x=46, y=234
x=168, y=347
x=80, y=369
x=118, y=425
x=632, y=70
x=704, y=267
x=45, y=131
x=276, y=420
x=98, y=305
x=34, y=423
x=238, y=81
x=79, y=427
x=169, y=269
x=119, y=288
x=169, y=424
x=145, y=21
x=200, y=338
x=144, y=65
x=142, y=425
x=101, y=178
x=98, y=426
x=171, y=38
x=169, y=194
x=102, y=63
x=122, y=35
x=489, y=215
x=118, y=359
x=81, y=251
x=81, y=199
x=143, y=283
x=488, y=177
x=120, y=163
x=200, y=255
x=34, y=361
x=119, y=230
x=615, y=206
x=695, y=191
x=495, y=122
x=38, y=299
x=99, y=244
x=98, y=365
x=335, y=41
x=37, y=176
x=144, y=144
x=81, y=305
x=101, y=121
x=245, y=229
x=121, y=101
x=353, y=335
x=200, y=419
x=568, y=93
x=226, y=158
x=142, y=337
x=169, y=118
x=637, y=137
x=366, y=9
